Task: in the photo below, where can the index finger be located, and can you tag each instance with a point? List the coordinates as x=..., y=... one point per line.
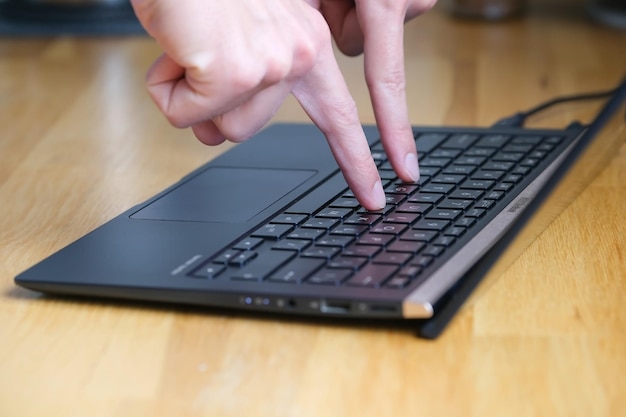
x=324, y=96
x=383, y=29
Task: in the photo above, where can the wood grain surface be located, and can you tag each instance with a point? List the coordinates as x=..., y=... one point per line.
x=80, y=141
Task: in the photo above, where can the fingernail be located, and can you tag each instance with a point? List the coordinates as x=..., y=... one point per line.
x=410, y=164
x=379, y=195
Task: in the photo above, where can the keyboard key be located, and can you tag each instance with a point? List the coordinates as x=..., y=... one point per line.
x=210, y=271
x=508, y=156
x=434, y=162
x=225, y=257
x=385, y=174
x=477, y=184
x=530, y=140
x=475, y=212
x=264, y=265
x=503, y=186
x=363, y=219
x=447, y=214
x=470, y=160
x=392, y=258
x=460, y=141
x=329, y=276
x=395, y=199
x=291, y=244
x=406, y=246
x=248, y=243
x=554, y=140
x=484, y=204
x=423, y=197
x=401, y=217
x=272, y=231
x=389, y=228
x=455, y=204
x=338, y=241
x=416, y=208
x=454, y=231
x=465, y=222
x=385, y=210
x=487, y=175
x=286, y=218
x=351, y=262
x=297, y=270
x=523, y=148
x=325, y=252
x=494, y=195
x=444, y=241
x=466, y=194
x=426, y=142
x=459, y=169
x=428, y=171
x=349, y=230
x=375, y=239
x=366, y=251
x=243, y=258
x=445, y=153
x=409, y=271
x=529, y=162
x=433, y=251
x=319, y=223
x=498, y=166
x=448, y=178
x=486, y=152
x=422, y=261
x=372, y=275
x=428, y=224
x=512, y=178
x=398, y=282
x=307, y=234
x=493, y=141
x=437, y=188
x=334, y=213
x=344, y=202
x=401, y=188
x=419, y=235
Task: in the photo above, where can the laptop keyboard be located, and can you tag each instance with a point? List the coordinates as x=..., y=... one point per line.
x=466, y=179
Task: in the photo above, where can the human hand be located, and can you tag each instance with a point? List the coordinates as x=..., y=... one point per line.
x=375, y=28
x=229, y=64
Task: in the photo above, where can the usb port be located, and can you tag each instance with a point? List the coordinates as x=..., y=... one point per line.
x=335, y=307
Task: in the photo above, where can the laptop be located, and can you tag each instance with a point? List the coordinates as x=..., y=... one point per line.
x=270, y=226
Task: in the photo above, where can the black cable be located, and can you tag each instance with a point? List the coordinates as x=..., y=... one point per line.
x=518, y=119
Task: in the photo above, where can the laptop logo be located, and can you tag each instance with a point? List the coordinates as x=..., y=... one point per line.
x=519, y=204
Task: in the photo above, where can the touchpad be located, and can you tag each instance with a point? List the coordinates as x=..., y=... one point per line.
x=225, y=194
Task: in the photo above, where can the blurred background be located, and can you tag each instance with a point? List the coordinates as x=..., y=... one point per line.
x=115, y=17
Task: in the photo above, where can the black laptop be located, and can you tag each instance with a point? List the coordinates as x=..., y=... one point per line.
x=271, y=226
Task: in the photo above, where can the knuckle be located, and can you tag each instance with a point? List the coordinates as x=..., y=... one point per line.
x=174, y=118
x=231, y=130
x=305, y=56
x=394, y=81
x=308, y=47
x=242, y=78
x=277, y=69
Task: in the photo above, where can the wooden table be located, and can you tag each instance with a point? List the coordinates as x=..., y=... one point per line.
x=80, y=142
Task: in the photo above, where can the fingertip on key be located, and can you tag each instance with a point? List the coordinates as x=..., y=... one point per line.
x=411, y=166
x=378, y=196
